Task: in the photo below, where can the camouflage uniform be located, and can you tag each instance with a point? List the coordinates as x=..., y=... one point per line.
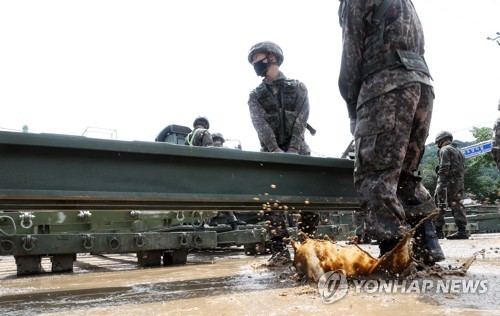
x=386, y=85
x=495, y=151
x=450, y=184
x=265, y=103
x=199, y=137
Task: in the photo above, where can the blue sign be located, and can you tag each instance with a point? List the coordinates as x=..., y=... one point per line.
x=477, y=149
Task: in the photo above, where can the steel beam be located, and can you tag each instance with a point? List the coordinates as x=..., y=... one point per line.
x=63, y=172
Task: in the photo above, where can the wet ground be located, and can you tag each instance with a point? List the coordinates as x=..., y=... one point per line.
x=226, y=282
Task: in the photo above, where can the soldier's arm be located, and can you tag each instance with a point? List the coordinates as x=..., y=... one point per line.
x=444, y=164
x=353, y=35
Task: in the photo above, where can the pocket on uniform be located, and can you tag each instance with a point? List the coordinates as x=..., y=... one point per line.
x=375, y=148
x=375, y=117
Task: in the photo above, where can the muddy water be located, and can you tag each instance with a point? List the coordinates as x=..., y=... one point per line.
x=230, y=283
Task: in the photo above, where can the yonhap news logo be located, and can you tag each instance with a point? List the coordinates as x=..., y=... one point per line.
x=333, y=286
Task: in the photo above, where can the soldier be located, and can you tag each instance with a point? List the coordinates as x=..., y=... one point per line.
x=450, y=185
x=387, y=88
x=200, y=136
x=218, y=140
x=279, y=109
x=495, y=151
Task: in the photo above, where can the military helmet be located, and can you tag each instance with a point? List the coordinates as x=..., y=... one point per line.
x=266, y=47
x=442, y=135
x=201, y=120
x=218, y=136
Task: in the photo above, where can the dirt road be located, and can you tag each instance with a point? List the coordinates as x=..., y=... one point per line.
x=226, y=282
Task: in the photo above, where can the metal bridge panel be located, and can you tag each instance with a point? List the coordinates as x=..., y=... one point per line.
x=49, y=171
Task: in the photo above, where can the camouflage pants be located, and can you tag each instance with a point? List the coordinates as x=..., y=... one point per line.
x=451, y=194
x=390, y=135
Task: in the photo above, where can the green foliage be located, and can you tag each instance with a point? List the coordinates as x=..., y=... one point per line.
x=428, y=167
x=482, y=134
x=482, y=180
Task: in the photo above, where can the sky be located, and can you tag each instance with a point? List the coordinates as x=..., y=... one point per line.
x=134, y=67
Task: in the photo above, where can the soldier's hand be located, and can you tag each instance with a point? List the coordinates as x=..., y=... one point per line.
x=293, y=150
x=278, y=150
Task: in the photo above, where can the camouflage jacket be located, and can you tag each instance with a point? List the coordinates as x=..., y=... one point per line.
x=265, y=103
x=400, y=30
x=451, y=165
x=199, y=137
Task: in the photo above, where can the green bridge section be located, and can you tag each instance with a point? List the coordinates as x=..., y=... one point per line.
x=62, y=172
x=63, y=195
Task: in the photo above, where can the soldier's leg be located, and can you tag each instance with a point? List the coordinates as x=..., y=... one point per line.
x=383, y=144
x=381, y=141
x=442, y=204
x=458, y=211
x=415, y=198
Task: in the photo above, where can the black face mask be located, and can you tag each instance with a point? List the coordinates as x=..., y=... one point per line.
x=261, y=67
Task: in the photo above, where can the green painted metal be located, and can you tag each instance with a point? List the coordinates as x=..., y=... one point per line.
x=53, y=222
x=476, y=223
x=62, y=195
x=102, y=243
x=48, y=171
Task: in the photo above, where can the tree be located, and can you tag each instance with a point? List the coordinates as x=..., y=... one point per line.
x=428, y=168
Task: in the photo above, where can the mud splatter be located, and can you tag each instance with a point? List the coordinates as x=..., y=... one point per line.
x=314, y=257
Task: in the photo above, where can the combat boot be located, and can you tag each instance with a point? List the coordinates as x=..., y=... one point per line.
x=460, y=234
x=426, y=246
